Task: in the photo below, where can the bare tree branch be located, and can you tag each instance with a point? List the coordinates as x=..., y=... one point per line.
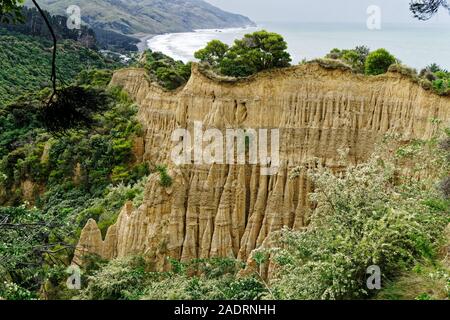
x=52, y=32
x=426, y=9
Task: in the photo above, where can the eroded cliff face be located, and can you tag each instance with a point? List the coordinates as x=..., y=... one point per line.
x=229, y=210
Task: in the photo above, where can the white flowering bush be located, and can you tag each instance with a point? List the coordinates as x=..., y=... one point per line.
x=116, y=280
x=371, y=214
x=12, y=291
x=205, y=279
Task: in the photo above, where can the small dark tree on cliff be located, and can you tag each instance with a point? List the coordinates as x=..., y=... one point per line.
x=356, y=58
x=425, y=9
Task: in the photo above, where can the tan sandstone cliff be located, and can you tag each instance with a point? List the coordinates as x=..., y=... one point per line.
x=229, y=210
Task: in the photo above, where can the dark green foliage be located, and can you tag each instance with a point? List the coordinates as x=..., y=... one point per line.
x=166, y=71
x=10, y=11
x=378, y=62
x=73, y=108
x=96, y=152
x=94, y=77
x=256, y=52
x=209, y=268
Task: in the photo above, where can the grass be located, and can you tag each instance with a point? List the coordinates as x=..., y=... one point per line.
x=426, y=281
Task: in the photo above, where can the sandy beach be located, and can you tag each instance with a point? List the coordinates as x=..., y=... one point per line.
x=142, y=45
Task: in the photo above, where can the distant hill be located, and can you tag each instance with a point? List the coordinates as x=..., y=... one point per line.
x=34, y=25
x=149, y=16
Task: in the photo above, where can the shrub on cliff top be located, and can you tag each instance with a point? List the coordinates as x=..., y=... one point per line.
x=361, y=60
x=378, y=62
x=256, y=52
x=356, y=58
x=436, y=78
x=169, y=73
x=332, y=64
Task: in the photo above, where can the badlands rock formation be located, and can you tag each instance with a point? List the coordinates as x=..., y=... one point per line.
x=229, y=210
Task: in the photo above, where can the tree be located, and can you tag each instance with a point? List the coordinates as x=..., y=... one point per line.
x=256, y=52
x=425, y=9
x=378, y=62
x=213, y=53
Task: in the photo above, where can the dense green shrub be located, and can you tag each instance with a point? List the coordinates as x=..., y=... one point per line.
x=164, y=178
x=94, y=77
x=378, y=62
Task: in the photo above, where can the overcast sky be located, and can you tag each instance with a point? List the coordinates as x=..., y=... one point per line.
x=322, y=10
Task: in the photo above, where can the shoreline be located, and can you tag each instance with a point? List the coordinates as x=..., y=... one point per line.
x=143, y=38
x=182, y=45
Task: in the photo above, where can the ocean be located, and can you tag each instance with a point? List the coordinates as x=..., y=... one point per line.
x=416, y=45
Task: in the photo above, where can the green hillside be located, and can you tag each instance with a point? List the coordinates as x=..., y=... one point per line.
x=26, y=63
